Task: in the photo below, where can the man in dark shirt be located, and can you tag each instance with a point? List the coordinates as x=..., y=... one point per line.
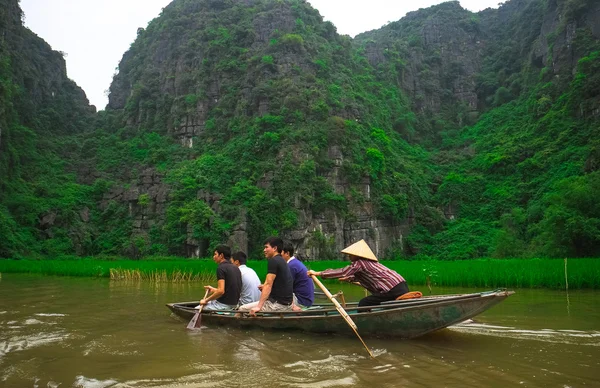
x=229, y=283
x=276, y=293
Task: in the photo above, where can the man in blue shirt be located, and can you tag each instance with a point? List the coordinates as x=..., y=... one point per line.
x=304, y=288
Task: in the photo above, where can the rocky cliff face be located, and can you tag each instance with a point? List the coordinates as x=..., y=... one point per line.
x=559, y=46
x=204, y=67
x=36, y=91
x=10, y=19
x=185, y=58
x=231, y=120
x=436, y=53
x=10, y=22
x=446, y=58
x=41, y=74
x=43, y=97
x=209, y=73
x=39, y=108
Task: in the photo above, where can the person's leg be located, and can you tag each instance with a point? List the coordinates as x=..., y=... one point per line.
x=295, y=305
x=399, y=290
x=273, y=307
x=216, y=305
x=372, y=300
x=377, y=299
x=247, y=306
x=210, y=306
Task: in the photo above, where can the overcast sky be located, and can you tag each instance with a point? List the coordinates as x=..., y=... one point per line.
x=95, y=34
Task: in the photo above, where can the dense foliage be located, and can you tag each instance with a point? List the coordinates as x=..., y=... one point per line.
x=266, y=165
x=40, y=110
x=256, y=113
x=527, y=170
x=519, y=180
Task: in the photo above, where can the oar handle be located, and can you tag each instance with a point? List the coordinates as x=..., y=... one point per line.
x=201, y=306
x=206, y=293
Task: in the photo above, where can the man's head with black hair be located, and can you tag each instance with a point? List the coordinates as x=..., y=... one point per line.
x=239, y=258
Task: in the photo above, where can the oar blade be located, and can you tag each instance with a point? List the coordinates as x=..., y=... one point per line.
x=195, y=321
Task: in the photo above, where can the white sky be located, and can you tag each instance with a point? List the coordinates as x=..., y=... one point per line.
x=95, y=34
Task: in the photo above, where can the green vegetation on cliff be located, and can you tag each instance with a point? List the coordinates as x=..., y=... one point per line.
x=471, y=134
x=526, y=184
x=270, y=105
x=40, y=110
x=520, y=181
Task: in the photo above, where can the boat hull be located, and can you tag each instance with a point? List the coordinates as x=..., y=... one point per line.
x=405, y=319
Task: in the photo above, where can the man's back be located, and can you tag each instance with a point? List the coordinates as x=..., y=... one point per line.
x=282, y=291
x=233, y=283
x=250, y=282
x=304, y=288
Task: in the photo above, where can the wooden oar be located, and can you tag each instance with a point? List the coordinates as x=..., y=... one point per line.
x=342, y=312
x=195, y=321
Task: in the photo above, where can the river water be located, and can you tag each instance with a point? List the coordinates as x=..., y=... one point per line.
x=79, y=332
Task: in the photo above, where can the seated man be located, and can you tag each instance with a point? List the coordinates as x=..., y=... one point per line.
x=250, y=281
x=276, y=294
x=229, y=283
x=303, y=286
x=383, y=283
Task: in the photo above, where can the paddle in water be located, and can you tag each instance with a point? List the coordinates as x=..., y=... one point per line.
x=342, y=312
x=195, y=321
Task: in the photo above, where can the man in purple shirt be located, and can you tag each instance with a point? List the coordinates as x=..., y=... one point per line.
x=383, y=283
x=304, y=288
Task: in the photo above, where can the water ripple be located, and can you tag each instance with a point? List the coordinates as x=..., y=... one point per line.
x=51, y=315
x=574, y=337
x=84, y=382
x=33, y=322
x=20, y=343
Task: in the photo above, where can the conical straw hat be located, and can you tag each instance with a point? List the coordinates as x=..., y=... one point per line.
x=360, y=249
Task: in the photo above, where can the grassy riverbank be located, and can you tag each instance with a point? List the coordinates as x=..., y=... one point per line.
x=517, y=273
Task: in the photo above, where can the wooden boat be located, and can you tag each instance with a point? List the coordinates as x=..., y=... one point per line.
x=402, y=319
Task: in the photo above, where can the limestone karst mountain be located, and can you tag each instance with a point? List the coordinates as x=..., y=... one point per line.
x=447, y=133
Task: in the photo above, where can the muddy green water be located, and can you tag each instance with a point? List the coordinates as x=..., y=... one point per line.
x=75, y=332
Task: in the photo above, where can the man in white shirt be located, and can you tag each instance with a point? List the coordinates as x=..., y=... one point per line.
x=250, y=281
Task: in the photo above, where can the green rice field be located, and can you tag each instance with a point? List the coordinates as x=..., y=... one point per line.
x=484, y=273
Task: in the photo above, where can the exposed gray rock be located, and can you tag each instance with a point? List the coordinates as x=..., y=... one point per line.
x=437, y=63
x=560, y=54
x=84, y=214
x=47, y=220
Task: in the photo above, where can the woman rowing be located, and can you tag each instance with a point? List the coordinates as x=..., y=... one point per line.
x=383, y=283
